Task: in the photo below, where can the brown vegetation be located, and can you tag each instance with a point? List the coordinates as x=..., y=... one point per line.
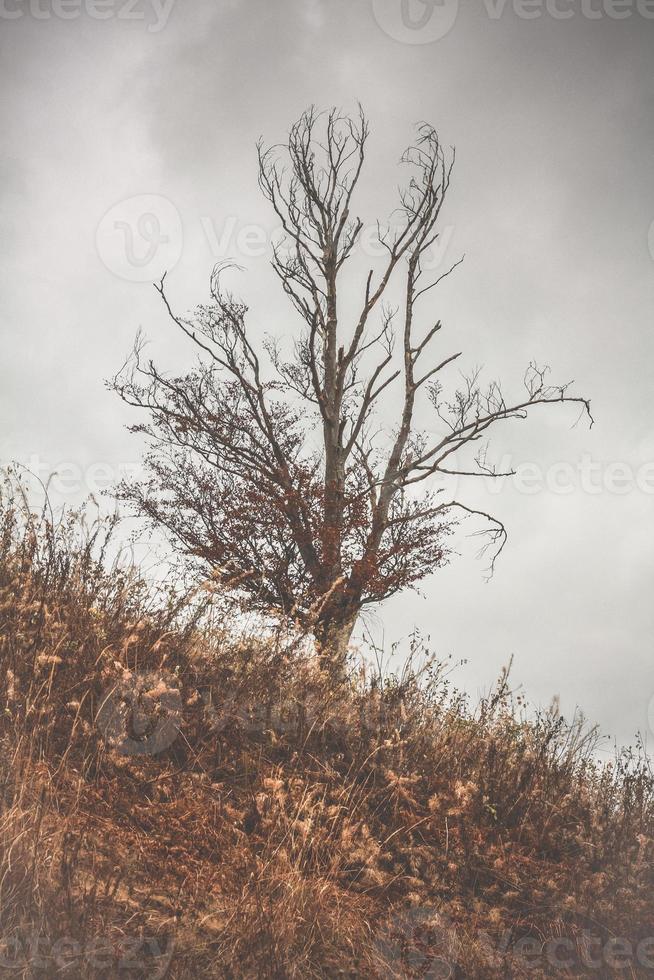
x=383, y=829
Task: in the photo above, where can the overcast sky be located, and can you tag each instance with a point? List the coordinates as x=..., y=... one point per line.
x=128, y=134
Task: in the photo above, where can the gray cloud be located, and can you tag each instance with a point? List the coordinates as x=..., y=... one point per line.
x=552, y=203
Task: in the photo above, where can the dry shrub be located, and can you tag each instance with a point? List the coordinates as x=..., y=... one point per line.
x=289, y=829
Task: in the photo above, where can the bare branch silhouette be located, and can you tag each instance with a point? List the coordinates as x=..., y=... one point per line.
x=283, y=474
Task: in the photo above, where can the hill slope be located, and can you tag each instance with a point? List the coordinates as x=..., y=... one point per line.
x=178, y=803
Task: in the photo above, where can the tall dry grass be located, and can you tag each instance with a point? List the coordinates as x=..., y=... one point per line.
x=386, y=829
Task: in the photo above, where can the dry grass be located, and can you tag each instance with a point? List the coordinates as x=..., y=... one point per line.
x=384, y=830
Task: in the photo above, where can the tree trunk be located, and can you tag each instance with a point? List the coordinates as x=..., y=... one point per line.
x=333, y=634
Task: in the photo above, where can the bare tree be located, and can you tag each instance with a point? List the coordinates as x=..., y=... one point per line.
x=281, y=472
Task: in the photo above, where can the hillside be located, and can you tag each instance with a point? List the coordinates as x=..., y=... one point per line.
x=244, y=820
